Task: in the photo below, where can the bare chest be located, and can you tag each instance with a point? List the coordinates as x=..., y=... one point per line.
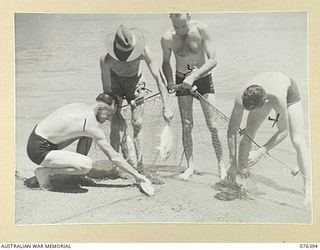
x=190, y=44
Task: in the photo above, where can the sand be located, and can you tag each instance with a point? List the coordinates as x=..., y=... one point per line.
x=52, y=70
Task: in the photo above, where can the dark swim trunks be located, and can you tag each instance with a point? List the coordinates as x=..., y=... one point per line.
x=293, y=95
x=125, y=86
x=38, y=147
x=204, y=85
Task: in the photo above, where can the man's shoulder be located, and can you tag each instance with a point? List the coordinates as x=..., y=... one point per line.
x=201, y=26
x=76, y=105
x=71, y=110
x=106, y=58
x=168, y=35
x=238, y=99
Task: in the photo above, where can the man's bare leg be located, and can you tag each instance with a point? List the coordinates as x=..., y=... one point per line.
x=84, y=145
x=296, y=125
x=59, y=162
x=115, y=127
x=211, y=120
x=137, y=121
x=115, y=131
x=185, y=107
x=254, y=121
x=137, y=124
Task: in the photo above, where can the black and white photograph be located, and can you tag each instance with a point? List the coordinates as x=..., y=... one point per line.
x=199, y=118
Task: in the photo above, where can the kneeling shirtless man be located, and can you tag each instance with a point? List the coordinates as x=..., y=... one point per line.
x=66, y=125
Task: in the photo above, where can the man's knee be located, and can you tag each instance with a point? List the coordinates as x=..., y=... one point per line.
x=212, y=126
x=85, y=166
x=137, y=123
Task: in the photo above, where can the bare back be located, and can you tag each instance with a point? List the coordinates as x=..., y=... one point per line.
x=66, y=123
x=276, y=85
x=130, y=68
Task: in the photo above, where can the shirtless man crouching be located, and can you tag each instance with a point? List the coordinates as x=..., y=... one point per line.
x=66, y=125
x=267, y=91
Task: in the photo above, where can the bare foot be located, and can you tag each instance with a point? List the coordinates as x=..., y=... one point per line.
x=232, y=174
x=186, y=174
x=43, y=175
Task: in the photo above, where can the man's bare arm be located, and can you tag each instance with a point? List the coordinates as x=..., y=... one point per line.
x=105, y=74
x=154, y=69
x=209, y=48
x=99, y=137
x=255, y=156
x=166, y=56
x=234, y=124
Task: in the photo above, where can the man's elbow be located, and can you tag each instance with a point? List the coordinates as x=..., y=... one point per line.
x=102, y=62
x=102, y=59
x=117, y=159
x=213, y=63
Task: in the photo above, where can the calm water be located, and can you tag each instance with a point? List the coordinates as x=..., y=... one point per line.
x=57, y=57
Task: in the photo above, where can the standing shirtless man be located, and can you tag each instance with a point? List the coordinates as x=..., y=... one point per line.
x=267, y=91
x=192, y=45
x=120, y=73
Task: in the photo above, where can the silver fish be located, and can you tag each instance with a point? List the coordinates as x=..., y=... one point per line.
x=128, y=150
x=166, y=143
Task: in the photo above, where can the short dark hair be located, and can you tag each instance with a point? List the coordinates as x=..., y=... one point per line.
x=176, y=15
x=108, y=98
x=253, y=96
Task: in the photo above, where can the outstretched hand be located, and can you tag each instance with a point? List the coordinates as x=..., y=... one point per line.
x=255, y=156
x=181, y=86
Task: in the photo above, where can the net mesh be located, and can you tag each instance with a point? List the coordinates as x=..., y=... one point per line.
x=204, y=155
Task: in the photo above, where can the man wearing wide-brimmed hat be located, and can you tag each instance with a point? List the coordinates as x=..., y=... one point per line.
x=120, y=73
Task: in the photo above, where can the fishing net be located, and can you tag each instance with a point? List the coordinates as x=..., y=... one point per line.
x=153, y=123
x=204, y=155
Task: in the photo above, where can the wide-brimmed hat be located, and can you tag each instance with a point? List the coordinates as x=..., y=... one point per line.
x=125, y=44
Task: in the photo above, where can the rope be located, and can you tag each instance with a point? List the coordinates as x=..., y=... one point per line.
x=145, y=99
x=242, y=132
